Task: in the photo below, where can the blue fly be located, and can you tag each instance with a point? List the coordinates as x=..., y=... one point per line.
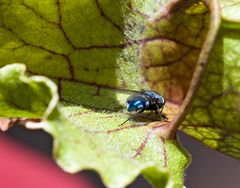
x=146, y=100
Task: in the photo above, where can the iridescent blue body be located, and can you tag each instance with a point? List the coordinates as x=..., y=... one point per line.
x=146, y=100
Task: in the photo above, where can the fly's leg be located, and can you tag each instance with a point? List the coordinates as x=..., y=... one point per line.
x=132, y=117
x=159, y=111
x=163, y=116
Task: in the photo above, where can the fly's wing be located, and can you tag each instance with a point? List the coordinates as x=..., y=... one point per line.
x=152, y=94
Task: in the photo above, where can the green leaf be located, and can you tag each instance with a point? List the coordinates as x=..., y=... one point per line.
x=22, y=96
x=119, y=154
x=99, y=52
x=214, y=118
x=91, y=50
x=230, y=13
x=92, y=140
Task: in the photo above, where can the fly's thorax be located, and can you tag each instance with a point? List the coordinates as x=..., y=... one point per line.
x=155, y=98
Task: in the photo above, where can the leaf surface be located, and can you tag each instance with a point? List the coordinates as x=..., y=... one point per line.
x=23, y=96
x=98, y=52
x=214, y=117
x=90, y=49
x=119, y=154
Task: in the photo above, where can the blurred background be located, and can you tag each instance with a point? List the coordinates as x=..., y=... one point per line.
x=25, y=161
